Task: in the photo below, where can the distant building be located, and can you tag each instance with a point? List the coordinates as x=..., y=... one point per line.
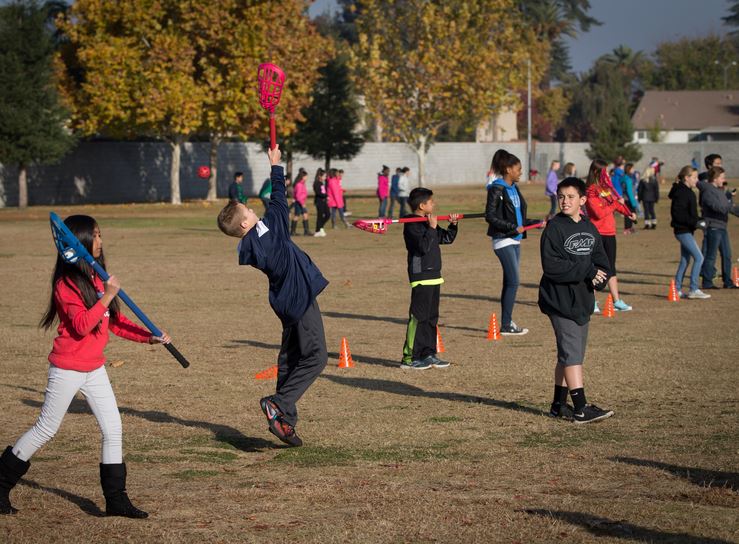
x=498, y=128
x=687, y=116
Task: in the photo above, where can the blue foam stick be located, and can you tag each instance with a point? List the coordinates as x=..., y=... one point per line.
x=72, y=250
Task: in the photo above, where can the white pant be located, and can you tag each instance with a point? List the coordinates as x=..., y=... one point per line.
x=60, y=390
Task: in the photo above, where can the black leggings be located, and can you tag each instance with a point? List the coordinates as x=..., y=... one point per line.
x=322, y=213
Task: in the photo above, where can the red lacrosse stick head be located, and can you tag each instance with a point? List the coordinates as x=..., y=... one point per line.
x=203, y=172
x=270, y=78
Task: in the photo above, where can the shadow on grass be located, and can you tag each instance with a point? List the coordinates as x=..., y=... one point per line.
x=599, y=526
x=221, y=433
x=486, y=298
x=84, y=504
x=363, y=317
x=400, y=388
x=636, y=273
x=697, y=476
x=332, y=354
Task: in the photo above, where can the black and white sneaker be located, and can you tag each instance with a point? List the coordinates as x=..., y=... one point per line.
x=513, y=330
x=591, y=413
x=561, y=411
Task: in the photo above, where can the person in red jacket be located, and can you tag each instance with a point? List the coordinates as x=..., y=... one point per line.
x=87, y=309
x=601, y=204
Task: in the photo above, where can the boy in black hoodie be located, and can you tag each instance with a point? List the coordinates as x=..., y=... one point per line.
x=422, y=241
x=574, y=263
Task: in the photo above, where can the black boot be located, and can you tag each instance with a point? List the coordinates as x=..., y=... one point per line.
x=12, y=469
x=293, y=227
x=306, y=229
x=113, y=481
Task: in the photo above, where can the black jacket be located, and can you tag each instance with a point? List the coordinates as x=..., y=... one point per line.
x=424, y=254
x=571, y=253
x=501, y=214
x=648, y=190
x=683, y=208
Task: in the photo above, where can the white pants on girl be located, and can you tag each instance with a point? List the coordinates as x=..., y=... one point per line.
x=60, y=390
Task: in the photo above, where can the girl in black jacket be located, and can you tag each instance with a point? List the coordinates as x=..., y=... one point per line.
x=648, y=195
x=505, y=213
x=684, y=212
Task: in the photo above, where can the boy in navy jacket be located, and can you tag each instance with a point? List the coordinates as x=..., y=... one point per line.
x=294, y=284
x=574, y=263
x=422, y=241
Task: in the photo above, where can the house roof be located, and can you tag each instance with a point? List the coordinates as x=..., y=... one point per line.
x=687, y=110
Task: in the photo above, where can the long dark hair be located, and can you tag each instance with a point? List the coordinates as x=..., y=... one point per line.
x=78, y=274
x=502, y=161
x=596, y=167
x=320, y=172
x=302, y=174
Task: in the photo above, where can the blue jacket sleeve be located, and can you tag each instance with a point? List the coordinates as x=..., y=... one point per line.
x=278, y=212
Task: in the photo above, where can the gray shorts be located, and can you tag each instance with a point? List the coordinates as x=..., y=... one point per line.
x=571, y=340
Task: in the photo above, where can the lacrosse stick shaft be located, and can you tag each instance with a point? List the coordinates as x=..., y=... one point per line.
x=272, y=131
x=100, y=271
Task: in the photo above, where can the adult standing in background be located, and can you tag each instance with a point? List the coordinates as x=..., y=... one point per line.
x=551, y=188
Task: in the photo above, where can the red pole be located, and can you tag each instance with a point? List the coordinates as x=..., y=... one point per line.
x=272, y=131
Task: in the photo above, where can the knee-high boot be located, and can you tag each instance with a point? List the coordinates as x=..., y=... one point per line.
x=12, y=469
x=113, y=482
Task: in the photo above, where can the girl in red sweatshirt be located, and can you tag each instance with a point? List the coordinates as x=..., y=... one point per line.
x=601, y=204
x=87, y=310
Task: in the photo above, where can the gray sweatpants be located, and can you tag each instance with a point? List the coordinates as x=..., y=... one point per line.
x=302, y=358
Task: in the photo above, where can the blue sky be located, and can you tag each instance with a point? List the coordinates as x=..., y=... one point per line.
x=640, y=24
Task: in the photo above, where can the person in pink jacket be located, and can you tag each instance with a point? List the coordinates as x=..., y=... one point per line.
x=383, y=189
x=299, y=209
x=335, y=197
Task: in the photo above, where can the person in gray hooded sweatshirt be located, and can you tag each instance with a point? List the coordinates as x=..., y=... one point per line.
x=715, y=206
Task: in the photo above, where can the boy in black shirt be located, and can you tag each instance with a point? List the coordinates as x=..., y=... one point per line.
x=574, y=263
x=294, y=283
x=422, y=241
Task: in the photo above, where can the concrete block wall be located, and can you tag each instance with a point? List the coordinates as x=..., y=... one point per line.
x=113, y=172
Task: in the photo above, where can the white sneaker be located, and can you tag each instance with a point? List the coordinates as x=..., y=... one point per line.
x=596, y=310
x=320, y=234
x=698, y=294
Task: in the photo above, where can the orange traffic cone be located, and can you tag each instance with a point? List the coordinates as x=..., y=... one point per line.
x=268, y=374
x=439, y=342
x=345, y=356
x=493, y=328
x=735, y=276
x=609, y=310
x=672, y=296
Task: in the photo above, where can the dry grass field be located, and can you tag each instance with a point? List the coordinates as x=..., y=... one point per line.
x=464, y=454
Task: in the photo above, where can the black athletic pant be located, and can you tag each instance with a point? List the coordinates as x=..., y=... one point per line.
x=322, y=213
x=628, y=223
x=420, y=338
x=649, y=210
x=302, y=358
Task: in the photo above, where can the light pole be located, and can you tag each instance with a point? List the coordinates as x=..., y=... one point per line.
x=528, y=120
x=726, y=66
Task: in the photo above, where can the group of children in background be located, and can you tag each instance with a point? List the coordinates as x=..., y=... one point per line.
x=328, y=197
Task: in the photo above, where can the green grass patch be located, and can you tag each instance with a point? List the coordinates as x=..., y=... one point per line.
x=154, y=459
x=194, y=474
x=336, y=456
x=211, y=456
x=444, y=419
x=569, y=437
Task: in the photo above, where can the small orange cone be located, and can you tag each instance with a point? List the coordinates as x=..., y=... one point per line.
x=439, y=342
x=493, y=328
x=345, y=356
x=735, y=276
x=609, y=310
x=268, y=374
x=672, y=296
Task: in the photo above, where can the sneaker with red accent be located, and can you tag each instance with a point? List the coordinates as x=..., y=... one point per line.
x=277, y=425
